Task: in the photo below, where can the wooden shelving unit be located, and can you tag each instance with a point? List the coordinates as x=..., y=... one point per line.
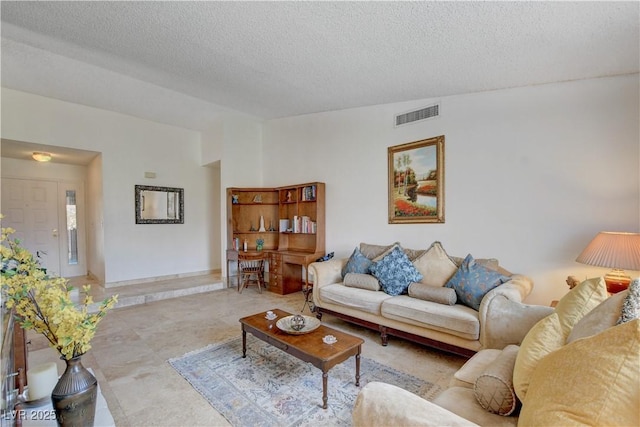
x=298, y=244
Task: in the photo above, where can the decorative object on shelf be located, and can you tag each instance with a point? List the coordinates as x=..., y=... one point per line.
x=262, y=224
x=259, y=244
x=234, y=199
x=257, y=198
x=288, y=196
x=617, y=250
x=271, y=227
x=244, y=245
x=310, y=324
x=416, y=182
x=43, y=303
x=252, y=228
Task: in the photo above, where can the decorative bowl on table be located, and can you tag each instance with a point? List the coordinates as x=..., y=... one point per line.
x=288, y=324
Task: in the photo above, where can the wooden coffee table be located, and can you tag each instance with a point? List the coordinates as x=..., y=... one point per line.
x=307, y=347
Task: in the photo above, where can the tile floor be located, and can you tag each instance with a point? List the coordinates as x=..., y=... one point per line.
x=134, y=341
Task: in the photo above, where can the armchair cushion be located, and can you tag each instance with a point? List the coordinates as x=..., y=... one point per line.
x=600, y=378
x=581, y=300
x=545, y=336
x=374, y=251
x=494, y=387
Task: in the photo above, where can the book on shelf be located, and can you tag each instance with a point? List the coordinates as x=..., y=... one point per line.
x=284, y=225
x=308, y=193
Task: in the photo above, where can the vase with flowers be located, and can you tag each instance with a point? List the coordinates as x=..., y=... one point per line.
x=43, y=303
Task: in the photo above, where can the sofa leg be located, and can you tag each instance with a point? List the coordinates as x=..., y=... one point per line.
x=383, y=336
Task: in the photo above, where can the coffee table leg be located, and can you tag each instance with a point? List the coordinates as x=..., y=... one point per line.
x=325, y=376
x=244, y=343
x=358, y=368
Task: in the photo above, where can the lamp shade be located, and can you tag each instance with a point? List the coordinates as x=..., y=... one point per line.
x=613, y=250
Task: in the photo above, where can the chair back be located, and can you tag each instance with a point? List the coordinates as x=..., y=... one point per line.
x=251, y=262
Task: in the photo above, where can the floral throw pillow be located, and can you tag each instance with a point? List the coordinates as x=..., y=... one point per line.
x=472, y=281
x=395, y=272
x=357, y=263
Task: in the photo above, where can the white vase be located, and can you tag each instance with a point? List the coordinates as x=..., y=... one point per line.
x=262, y=224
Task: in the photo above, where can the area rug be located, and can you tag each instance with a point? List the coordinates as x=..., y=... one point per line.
x=272, y=388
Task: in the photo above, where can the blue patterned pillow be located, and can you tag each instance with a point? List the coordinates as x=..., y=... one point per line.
x=395, y=272
x=357, y=263
x=472, y=282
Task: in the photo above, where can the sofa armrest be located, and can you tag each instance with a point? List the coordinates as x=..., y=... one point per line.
x=504, y=319
x=381, y=404
x=327, y=272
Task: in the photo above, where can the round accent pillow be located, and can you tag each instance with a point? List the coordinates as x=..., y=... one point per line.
x=494, y=387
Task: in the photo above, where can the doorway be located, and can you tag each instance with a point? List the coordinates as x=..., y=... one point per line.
x=49, y=222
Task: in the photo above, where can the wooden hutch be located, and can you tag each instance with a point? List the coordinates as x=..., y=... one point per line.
x=289, y=220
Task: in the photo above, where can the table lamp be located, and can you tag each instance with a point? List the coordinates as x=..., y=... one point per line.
x=619, y=251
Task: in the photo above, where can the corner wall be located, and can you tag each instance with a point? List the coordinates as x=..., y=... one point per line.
x=531, y=174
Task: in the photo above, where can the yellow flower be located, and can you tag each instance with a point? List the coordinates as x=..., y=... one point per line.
x=43, y=303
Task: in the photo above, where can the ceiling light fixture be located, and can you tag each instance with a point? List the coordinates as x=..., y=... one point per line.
x=40, y=156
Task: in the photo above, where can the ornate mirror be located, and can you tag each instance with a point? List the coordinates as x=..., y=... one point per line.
x=159, y=205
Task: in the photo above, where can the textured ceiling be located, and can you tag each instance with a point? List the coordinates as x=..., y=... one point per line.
x=183, y=63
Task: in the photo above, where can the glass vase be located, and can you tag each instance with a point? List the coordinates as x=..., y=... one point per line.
x=74, y=396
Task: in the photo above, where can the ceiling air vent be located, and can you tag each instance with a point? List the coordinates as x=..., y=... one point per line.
x=421, y=114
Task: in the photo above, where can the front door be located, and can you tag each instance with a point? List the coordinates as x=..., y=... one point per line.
x=31, y=208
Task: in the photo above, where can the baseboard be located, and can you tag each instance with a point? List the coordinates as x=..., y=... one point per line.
x=161, y=278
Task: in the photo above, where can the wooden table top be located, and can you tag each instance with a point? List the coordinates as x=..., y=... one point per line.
x=310, y=343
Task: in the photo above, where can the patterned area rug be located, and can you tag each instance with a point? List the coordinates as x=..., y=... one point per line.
x=272, y=388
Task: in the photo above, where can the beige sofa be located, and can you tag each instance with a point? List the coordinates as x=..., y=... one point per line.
x=576, y=366
x=501, y=319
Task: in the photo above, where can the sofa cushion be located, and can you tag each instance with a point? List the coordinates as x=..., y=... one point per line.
x=472, y=281
x=545, y=336
x=374, y=251
x=494, y=387
x=361, y=281
x=357, y=263
x=600, y=318
x=600, y=382
x=413, y=253
x=438, y=294
x=579, y=301
x=355, y=298
x=395, y=272
x=458, y=320
x=435, y=265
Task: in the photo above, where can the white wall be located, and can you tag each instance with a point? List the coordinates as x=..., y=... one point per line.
x=129, y=147
x=532, y=174
x=95, y=220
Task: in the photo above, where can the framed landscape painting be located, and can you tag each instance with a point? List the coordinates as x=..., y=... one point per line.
x=416, y=182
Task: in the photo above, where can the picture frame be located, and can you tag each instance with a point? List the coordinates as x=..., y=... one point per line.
x=416, y=181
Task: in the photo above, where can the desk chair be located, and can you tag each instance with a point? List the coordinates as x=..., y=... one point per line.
x=251, y=269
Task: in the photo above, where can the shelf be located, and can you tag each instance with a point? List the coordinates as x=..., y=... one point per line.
x=256, y=232
x=255, y=204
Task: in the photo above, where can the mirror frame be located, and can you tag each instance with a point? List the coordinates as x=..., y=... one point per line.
x=140, y=188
